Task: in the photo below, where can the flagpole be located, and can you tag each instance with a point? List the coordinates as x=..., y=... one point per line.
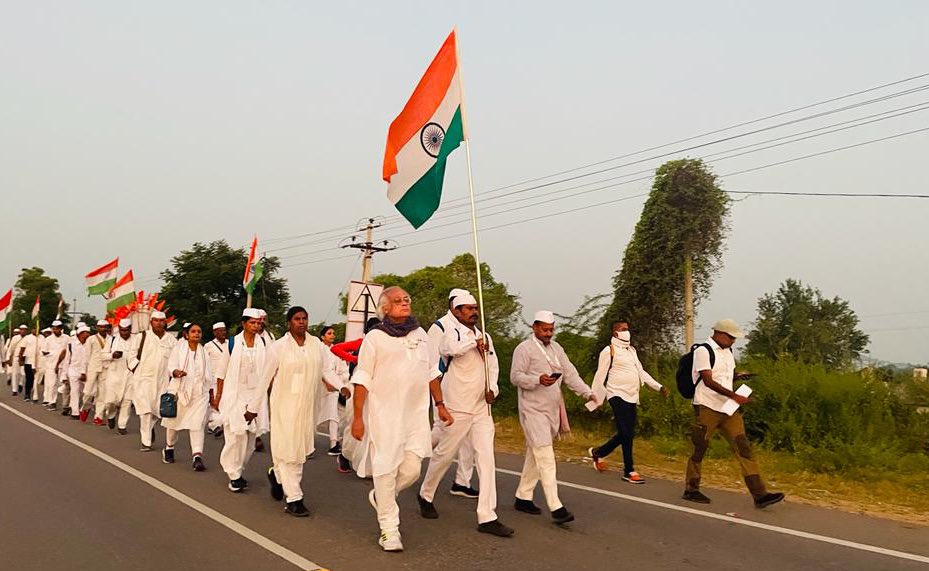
x=477, y=247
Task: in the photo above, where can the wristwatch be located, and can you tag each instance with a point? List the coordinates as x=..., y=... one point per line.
x=440, y=403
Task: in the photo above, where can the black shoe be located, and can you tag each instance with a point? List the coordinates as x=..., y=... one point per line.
x=15, y=393
x=243, y=481
x=562, y=515
x=66, y=411
x=237, y=485
x=495, y=528
x=526, y=506
x=345, y=467
x=111, y=423
x=122, y=431
x=198, y=464
x=427, y=509
x=75, y=417
x=218, y=433
x=464, y=492
x=259, y=445
x=145, y=448
x=696, y=496
x=296, y=509
x=277, y=490
x=27, y=399
x=335, y=450
x=769, y=499
x=167, y=455
x=53, y=406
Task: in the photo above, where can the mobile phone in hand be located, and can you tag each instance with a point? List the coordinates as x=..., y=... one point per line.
x=555, y=376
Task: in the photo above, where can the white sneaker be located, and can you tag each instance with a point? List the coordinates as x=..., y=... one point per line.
x=390, y=541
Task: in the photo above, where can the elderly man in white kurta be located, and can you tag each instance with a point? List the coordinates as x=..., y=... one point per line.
x=465, y=466
x=395, y=374
x=294, y=371
x=236, y=386
x=191, y=382
x=469, y=386
x=148, y=363
x=539, y=366
x=94, y=373
x=53, y=352
x=116, y=403
x=77, y=370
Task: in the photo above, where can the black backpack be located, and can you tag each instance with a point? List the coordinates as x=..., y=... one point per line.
x=684, y=377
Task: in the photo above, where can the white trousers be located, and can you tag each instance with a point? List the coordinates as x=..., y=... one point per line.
x=77, y=388
x=333, y=433
x=50, y=386
x=289, y=475
x=539, y=465
x=387, y=487
x=478, y=430
x=196, y=439
x=93, y=392
x=39, y=380
x=465, y=469
x=146, y=424
x=125, y=408
x=237, y=451
x=17, y=374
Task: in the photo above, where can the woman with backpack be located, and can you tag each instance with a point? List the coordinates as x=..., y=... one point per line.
x=618, y=378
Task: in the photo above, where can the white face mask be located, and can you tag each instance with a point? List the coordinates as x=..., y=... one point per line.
x=623, y=336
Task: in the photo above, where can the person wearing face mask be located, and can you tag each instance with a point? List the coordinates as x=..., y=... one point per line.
x=617, y=381
x=713, y=375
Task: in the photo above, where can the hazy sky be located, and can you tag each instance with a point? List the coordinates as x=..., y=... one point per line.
x=137, y=128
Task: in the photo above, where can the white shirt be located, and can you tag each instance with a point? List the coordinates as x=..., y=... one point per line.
x=723, y=373
x=624, y=377
x=463, y=383
x=28, y=348
x=52, y=347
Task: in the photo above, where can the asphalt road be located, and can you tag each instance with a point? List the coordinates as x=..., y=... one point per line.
x=63, y=507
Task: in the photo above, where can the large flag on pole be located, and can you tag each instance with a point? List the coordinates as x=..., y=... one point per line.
x=122, y=294
x=102, y=280
x=35, y=309
x=6, y=304
x=253, y=270
x=420, y=139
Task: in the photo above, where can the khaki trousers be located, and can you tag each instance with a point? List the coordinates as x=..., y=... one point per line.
x=708, y=421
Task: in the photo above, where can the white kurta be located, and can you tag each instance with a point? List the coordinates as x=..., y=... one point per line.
x=539, y=405
x=396, y=371
x=77, y=359
x=192, y=390
x=52, y=348
x=327, y=403
x=218, y=353
x=150, y=372
x=117, y=370
x=241, y=379
x=296, y=373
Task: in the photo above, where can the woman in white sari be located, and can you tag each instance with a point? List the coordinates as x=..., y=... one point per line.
x=327, y=404
x=191, y=379
x=294, y=370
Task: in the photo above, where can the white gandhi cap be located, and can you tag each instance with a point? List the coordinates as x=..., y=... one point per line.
x=464, y=299
x=103, y=323
x=251, y=313
x=219, y=325
x=544, y=317
x=457, y=292
x=158, y=315
x=125, y=323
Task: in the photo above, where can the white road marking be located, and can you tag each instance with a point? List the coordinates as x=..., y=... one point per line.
x=728, y=519
x=249, y=534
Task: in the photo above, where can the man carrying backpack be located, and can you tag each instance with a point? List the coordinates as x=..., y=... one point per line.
x=712, y=375
x=617, y=381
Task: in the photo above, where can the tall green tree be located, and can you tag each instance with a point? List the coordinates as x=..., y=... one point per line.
x=797, y=322
x=686, y=215
x=33, y=282
x=204, y=284
x=429, y=289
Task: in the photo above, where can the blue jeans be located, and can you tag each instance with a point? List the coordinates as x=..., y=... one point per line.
x=624, y=415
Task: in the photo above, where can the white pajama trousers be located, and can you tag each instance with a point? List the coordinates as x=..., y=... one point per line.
x=237, y=451
x=289, y=475
x=387, y=487
x=50, y=387
x=196, y=439
x=39, y=380
x=125, y=408
x=146, y=424
x=17, y=374
x=465, y=469
x=77, y=388
x=539, y=465
x=478, y=430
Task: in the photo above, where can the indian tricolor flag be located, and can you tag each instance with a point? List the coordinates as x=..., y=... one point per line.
x=430, y=127
x=6, y=304
x=35, y=309
x=253, y=270
x=122, y=294
x=102, y=280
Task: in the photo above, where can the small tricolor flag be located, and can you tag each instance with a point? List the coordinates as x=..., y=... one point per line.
x=102, y=280
x=420, y=139
x=35, y=309
x=122, y=294
x=253, y=270
x=6, y=304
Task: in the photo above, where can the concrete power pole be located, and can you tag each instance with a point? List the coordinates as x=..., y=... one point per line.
x=688, y=303
x=368, y=247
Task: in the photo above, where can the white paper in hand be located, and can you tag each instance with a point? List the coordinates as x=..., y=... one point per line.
x=731, y=406
x=591, y=405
